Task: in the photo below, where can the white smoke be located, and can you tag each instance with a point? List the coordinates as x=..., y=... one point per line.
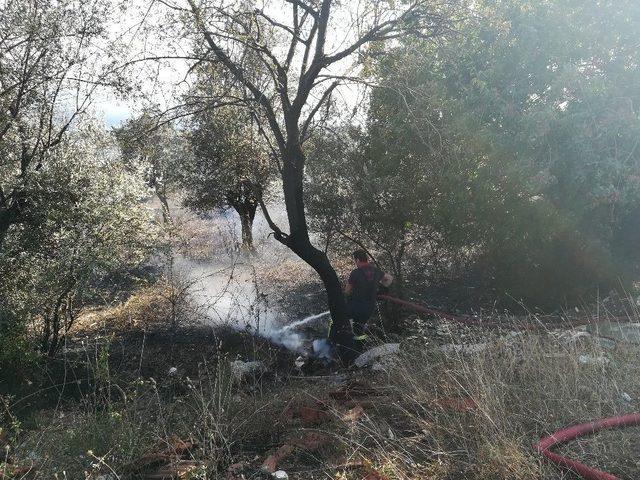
x=224, y=288
x=322, y=349
x=226, y=294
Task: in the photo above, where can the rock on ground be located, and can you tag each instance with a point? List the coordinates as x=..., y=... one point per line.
x=621, y=332
x=377, y=353
x=240, y=370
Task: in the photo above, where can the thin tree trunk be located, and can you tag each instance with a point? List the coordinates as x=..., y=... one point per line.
x=8, y=217
x=166, y=213
x=51, y=338
x=46, y=334
x=54, y=339
x=247, y=213
x=393, y=311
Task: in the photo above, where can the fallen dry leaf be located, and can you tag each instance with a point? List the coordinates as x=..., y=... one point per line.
x=312, y=416
x=234, y=472
x=270, y=465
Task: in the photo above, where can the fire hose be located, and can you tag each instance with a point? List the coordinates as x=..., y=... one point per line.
x=543, y=447
x=565, y=435
x=438, y=313
x=420, y=308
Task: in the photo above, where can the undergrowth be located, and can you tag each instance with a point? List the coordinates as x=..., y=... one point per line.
x=477, y=415
x=470, y=412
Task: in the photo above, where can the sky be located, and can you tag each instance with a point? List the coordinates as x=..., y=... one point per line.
x=112, y=111
x=163, y=85
x=134, y=30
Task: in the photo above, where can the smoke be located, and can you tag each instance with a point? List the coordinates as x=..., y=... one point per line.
x=227, y=294
x=322, y=349
x=224, y=286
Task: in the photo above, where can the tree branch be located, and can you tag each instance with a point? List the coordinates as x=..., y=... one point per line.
x=325, y=95
x=307, y=8
x=235, y=69
x=277, y=233
x=359, y=244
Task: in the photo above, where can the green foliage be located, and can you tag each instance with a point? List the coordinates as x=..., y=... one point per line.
x=16, y=352
x=361, y=192
x=546, y=90
x=228, y=167
x=228, y=156
x=87, y=222
x=48, y=73
x=511, y=151
x=153, y=151
x=10, y=425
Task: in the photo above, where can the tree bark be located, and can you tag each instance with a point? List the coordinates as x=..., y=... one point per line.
x=4, y=229
x=8, y=217
x=166, y=213
x=247, y=213
x=340, y=333
x=46, y=333
x=52, y=326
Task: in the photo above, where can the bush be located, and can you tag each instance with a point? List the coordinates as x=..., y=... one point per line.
x=16, y=351
x=503, y=159
x=86, y=222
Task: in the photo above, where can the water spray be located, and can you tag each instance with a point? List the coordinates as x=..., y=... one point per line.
x=304, y=321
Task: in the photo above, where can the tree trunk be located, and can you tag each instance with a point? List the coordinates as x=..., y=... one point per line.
x=52, y=326
x=340, y=334
x=399, y=271
x=166, y=213
x=392, y=311
x=46, y=333
x=247, y=213
x=4, y=229
x=8, y=217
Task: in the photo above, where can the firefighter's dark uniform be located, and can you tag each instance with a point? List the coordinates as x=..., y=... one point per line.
x=361, y=304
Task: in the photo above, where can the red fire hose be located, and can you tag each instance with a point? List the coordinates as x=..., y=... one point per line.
x=421, y=308
x=467, y=320
x=563, y=436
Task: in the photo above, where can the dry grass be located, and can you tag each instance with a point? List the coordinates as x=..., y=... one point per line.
x=476, y=416
x=117, y=429
x=148, y=305
x=430, y=415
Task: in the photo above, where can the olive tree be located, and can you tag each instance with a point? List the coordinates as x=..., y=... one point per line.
x=48, y=75
x=90, y=224
x=229, y=167
x=514, y=145
x=309, y=48
x=153, y=150
x=366, y=191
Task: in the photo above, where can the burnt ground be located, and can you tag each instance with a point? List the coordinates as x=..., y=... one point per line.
x=118, y=360
x=136, y=344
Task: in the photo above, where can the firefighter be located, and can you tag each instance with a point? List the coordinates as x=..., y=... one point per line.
x=361, y=290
